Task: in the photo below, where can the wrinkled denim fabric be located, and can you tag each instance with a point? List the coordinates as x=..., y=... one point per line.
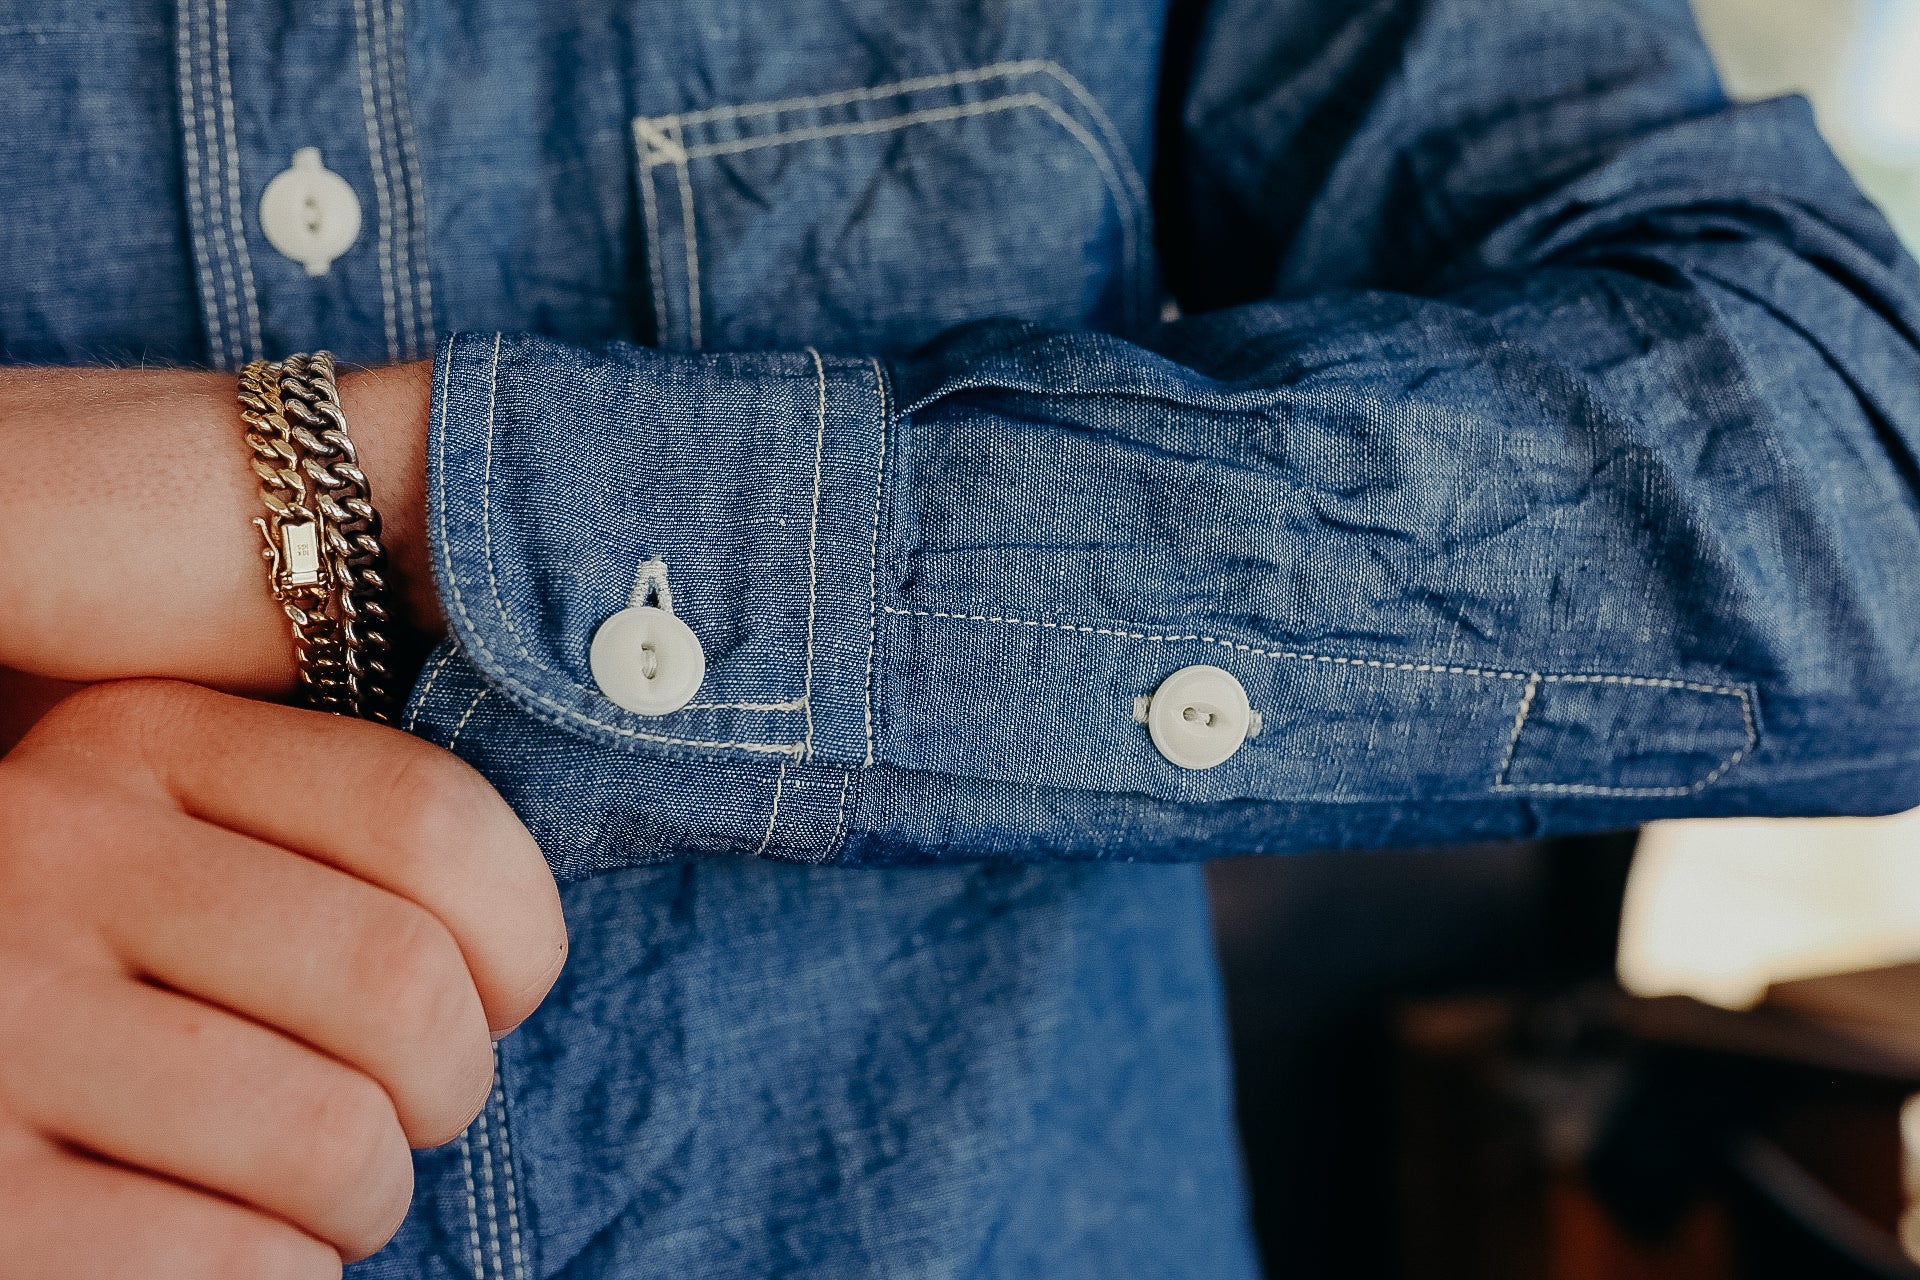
x=1530, y=431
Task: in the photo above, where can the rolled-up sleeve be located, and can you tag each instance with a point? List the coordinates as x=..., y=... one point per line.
x=1610, y=514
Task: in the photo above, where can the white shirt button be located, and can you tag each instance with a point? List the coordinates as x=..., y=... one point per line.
x=647, y=660
x=1199, y=716
x=309, y=212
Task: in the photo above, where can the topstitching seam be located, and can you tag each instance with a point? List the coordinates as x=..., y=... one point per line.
x=650, y=209
x=492, y=1197
x=426, y=688
x=1533, y=680
x=504, y=676
x=506, y=1165
x=383, y=35
x=218, y=221
x=472, y=707
x=839, y=821
x=1114, y=160
x=773, y=815
x=409, y=145
x=873, y=560
x=1491, y=673
x=377, y=162
x=196, y=201
x=690, y=242
x=898, y=88
x=1586, y=789
x=813, y=545
x=1123, y=198
x=473, y=1203
x=235, y=218
x=384, y=97
x=1519, y=723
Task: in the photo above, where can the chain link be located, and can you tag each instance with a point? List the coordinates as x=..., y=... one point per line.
x=310, y=476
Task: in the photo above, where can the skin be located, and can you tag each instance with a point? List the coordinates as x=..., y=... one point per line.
x=235, y=987
x=126, y=542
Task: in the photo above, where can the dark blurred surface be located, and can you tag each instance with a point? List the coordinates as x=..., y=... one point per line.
x=1318, y=953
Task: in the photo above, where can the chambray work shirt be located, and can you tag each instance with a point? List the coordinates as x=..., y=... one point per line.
x=1528, y=430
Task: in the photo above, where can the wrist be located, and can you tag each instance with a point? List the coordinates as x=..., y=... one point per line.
x=126, y=539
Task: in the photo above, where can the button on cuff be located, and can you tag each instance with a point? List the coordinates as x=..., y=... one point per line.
x=647, y=660
x=1199, y=717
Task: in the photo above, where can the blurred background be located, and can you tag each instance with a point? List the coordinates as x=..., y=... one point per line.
x=1692, y=1052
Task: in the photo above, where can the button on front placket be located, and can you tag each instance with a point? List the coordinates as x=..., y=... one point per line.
x=310, y=213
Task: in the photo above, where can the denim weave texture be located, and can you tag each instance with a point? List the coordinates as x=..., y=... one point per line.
x=1528, y=428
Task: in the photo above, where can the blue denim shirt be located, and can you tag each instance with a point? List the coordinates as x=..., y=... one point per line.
x=1529, y=431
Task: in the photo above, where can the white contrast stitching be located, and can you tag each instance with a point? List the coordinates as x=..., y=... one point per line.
x=901, y=88
x=377, y=162
x=416, y=188
x=690, y=241
x=486, y=1179
x=200, y=213
x=873, y=562
x=657, y=145
x=506, y=1163
x=390, y=23
x=1122, y=198
x=217, y=221
x=773, y=815
x=1519, y=722
x=473, y=1204
x=792, y=704
x=813, y=544
x=840, y=821
x=461, y=728
x=845, y=97
x=426, y=688
x=505, y=676
x=1739, y=692
x=1114, y=160
x=649, y=201
x=1584, y=789
x=486, y=496
x=1490, y=673
x=383, y=108
x=235, y=218
x=855, y=128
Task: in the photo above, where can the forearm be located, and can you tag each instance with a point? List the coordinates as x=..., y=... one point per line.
x=126, y=509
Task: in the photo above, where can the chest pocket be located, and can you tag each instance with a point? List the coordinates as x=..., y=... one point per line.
x=872, y=219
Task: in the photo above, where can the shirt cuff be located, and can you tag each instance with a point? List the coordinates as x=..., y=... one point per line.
x=556, y=473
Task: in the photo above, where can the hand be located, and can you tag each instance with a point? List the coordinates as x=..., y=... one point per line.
x=126, y=542
x=248, y=955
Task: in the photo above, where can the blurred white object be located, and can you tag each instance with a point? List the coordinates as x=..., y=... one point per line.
x=1719, y=910
x=1910, y=1162
x=1881, y=99
x=1858, y=61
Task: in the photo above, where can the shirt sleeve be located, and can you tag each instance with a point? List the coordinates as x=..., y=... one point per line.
x=1540, y=456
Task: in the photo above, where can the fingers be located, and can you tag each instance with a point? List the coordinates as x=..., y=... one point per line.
x=155, y=1080
x=372, y=801
x=358, y=972
x=68, y=1215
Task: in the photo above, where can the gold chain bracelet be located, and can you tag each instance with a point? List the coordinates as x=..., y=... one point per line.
x=326, y=564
